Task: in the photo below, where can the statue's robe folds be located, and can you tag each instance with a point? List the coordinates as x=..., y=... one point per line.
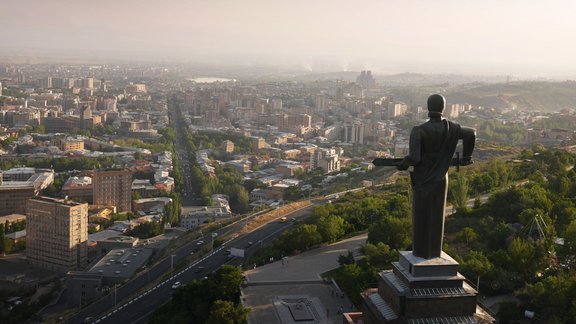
x=432, y=146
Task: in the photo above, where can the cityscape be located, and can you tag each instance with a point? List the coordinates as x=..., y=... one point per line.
x=231, y=180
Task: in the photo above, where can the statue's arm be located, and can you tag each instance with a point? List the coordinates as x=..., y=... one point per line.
x=414, y=154
x=468, y=136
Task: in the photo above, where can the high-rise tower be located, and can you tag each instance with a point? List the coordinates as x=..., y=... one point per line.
x=57, y=234
x=113, y=187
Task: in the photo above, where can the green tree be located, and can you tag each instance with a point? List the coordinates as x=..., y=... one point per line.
x=300, y=238
x=380, y=255
x=460, y=192
x=252, y=184
x=146, y=230
x=569, y=247
x=395, y=232
x=331, y=228
x=225, y=312
x=527, y=258
x=466, y=235
x=476, y=264
x=352, y=276
x=293, y=193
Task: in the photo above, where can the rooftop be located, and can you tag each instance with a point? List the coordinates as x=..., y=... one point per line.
x=122, y=263
x=12, y=218
x=58, y=201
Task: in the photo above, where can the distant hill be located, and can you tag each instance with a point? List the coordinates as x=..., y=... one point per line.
x=545, y=96
x=529, y=95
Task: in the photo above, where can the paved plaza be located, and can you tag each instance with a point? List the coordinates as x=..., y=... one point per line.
x=286, y=289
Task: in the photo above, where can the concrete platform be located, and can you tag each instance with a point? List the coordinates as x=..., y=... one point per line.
x=272, y=289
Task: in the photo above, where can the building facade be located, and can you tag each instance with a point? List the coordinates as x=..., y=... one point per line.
x=57, y=234
x=113, y=187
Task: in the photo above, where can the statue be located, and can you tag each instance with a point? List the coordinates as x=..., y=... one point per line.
x=432, y=147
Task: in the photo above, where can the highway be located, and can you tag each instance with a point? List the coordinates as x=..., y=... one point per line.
x=133, y=305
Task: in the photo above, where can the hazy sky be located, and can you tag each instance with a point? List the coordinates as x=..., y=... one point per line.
x=478, y=36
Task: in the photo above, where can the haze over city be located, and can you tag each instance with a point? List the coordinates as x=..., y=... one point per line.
x=530, y=38
x=219, y=161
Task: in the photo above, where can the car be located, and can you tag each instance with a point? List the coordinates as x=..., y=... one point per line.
x=176, y=285
x=250, y=244
x=200, y=242
x=214, y=234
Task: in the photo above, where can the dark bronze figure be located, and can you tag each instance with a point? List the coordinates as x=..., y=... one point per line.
x=432, y=147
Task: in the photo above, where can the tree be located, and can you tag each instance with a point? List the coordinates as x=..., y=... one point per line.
x=380, y=255
x=331, y=228
x=351, y=276
x=570, y=239
x=252, y=184
x=146, y=230
x=466, y=235
x=460, y=192
x=395, y=232
x=293, y=193
x=225, y=312
x=527, y=258
x=476, y=264
x=229, y=279
x=243, y=200
x=196, y=302
x=300, y=238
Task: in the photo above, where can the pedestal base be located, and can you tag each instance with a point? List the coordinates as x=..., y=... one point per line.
x=421, y=290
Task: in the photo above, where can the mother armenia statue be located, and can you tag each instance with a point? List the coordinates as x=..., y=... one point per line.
x=431, y=151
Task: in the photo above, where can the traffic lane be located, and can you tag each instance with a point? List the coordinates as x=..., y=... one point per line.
x=139, y=309
x=240, y=242
x=133, y=311
x=120, y=293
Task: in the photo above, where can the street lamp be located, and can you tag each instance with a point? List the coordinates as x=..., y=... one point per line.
x=172, y=263
x=115, y=295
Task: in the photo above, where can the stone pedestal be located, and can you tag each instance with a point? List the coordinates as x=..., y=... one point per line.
x=421, y=290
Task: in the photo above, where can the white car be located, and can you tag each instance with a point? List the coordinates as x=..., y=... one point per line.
x=214, y=234
x=176, y=285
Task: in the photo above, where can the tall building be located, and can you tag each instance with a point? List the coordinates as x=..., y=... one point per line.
x=45, y=83
x=453, y=111
x=320, y=102
x=103, y=86
x=20, y=184
x=276, y=104
x=365, y=80
x=87, y=83
x=113, y=187
x=57, y=234
x=396, y=109
x=327, y=159
x=354, y=133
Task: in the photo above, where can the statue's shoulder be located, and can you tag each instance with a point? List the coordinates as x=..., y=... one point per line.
x=453, y=125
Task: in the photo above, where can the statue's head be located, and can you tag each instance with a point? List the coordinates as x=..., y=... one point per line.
x=436, y=104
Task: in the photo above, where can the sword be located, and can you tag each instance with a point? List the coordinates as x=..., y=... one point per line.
x=382, y=162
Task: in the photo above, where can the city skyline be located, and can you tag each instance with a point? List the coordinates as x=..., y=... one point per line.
x=489, y=37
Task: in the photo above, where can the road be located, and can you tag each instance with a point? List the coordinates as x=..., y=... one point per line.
x=188, y=196
x=135, y=305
